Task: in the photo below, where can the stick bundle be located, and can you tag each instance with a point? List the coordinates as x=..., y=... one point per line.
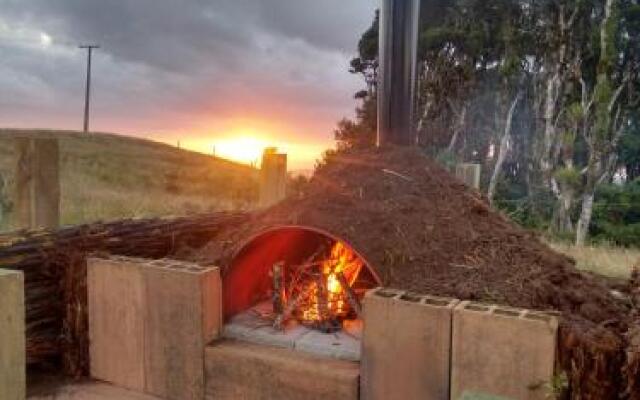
x=54, y=266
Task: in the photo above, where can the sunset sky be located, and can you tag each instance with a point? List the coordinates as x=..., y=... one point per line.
x=236, y=75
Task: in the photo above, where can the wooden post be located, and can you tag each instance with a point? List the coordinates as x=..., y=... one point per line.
x=273, y=177
x=37, y=183
x=469, y=174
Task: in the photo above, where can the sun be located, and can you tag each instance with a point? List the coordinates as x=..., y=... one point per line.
x=245, y=149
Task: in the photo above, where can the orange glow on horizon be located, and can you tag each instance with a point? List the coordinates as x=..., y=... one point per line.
x=246, y=147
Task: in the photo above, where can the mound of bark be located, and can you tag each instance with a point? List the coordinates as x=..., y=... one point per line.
x=422, y=230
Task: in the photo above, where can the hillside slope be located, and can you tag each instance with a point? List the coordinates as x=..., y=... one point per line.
x=108, y=176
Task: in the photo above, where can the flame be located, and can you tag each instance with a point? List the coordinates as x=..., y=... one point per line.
x=341, y=260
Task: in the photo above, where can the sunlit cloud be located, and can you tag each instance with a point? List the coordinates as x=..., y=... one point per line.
x=280, y=81
x=45, y=39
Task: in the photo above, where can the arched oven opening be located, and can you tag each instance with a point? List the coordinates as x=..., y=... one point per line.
x=289, y=281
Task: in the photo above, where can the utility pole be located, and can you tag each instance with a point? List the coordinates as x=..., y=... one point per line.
x=89, y=48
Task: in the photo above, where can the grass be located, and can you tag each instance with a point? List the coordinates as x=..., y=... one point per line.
x=106, y=177
x=616, y=262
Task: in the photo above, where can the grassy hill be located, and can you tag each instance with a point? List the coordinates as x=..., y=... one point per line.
x=106, y=176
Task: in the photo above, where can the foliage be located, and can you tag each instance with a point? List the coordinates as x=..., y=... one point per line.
x=568, y=177
x=576, y=66
x=6, y=204
x=616, y=216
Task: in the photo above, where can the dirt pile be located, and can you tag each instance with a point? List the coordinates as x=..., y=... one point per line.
x=424, y=231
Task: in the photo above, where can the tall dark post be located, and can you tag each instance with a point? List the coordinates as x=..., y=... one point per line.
x=396, y=78
x=87, y=95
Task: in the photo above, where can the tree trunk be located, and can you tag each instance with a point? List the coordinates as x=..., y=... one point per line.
x=585, y=217
x=562, y=216
x=505, y=145
x=459, y=127
x=549, y=138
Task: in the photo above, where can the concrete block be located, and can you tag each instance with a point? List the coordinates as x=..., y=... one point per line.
x=12, y=336
x=149, y=322
x=240, y=370
x=406, y=346
x=37, y=183
x=183, y=314
x=116, y=306
x=502, y=352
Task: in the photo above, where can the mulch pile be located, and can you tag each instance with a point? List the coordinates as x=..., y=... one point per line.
x=424, y=231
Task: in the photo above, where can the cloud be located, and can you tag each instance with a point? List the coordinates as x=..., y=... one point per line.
x=180, y=64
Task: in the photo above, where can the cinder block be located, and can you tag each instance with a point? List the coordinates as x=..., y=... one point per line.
x=12, y=336
x=183, y=314
x=116, y=305
x=502, y=352
x=406, y=346
x=247, y=371
x=149, y=322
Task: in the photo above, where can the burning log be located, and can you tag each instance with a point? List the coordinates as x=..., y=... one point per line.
x=277, y=273
x=53, y=263
x=350, y=294
x=322, y=299
x=288, y=311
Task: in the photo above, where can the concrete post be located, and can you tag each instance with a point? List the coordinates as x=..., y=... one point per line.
x=37, y=180
x=273, y=177
x=469, y=174
x=12, y=336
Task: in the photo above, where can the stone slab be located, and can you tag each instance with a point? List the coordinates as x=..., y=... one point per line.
x=406, y=346
x=247, y=371
x=12, y=336
x=502, y=352
x=251, y=327
x=338, y=345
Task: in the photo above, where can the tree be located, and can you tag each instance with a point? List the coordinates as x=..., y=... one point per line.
x=544, y=93
x=361, y=132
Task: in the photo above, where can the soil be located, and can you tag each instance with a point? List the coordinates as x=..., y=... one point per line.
x=422, y=230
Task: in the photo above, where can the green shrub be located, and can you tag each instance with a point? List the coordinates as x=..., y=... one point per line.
x=616, y=214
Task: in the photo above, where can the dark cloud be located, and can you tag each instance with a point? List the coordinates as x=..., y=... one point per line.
x=178, y=58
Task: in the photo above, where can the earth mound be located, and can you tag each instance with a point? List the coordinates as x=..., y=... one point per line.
x=422, y=230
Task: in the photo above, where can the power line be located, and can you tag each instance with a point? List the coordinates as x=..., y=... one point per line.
x=87, y=95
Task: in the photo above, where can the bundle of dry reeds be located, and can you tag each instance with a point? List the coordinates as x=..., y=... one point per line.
x=54, y=266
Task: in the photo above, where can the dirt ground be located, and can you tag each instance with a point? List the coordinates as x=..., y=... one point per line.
x=422, y=230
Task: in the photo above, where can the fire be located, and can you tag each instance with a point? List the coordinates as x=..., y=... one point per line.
x=327, y=298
